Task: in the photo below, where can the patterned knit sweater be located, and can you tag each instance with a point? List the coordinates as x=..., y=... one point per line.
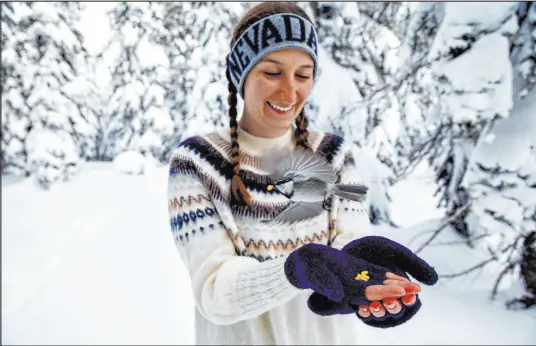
x=235, y=261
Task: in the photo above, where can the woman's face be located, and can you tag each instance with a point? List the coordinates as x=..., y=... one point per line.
x=275, y=91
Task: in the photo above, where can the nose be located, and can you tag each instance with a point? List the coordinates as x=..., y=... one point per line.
x=289, y=89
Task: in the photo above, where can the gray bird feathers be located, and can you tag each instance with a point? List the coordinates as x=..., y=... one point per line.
x=299, y=165
x=307, y=180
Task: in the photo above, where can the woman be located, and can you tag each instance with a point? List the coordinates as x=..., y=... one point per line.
x=218, y=201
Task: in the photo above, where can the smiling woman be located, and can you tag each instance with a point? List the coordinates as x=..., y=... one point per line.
x=252, y=279
x=275, y=91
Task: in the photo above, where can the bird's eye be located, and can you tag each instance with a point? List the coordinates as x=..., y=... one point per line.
x=270, y=187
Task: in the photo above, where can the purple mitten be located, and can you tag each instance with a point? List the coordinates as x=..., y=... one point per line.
x=332, y=273
x=387, y=254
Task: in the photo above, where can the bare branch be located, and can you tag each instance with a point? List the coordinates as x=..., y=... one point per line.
x=444, y=224
x=505, y=271
x=456, y=242
x=391, y=87
x=467, y=271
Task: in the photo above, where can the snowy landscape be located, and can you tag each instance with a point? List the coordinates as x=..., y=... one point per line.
x=438, y=98
x=93, y=262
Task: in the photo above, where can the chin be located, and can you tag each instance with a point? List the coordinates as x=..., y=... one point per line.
x=280, y=123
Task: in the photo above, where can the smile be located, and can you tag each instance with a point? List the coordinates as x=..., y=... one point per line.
x=281, y=109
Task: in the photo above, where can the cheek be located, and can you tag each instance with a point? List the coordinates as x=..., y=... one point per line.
x=305, y=91
x=257, y=91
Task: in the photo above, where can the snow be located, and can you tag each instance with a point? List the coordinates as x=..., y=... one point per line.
x=485, y=69
x=333, y=77
x=132, y=162
x=373, y=176
x=517, y=132
x=52, y=155
x=96, y=263
x=92, y=260
x=94, y=20
x=473, y=13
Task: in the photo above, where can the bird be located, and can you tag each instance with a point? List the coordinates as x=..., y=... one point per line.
x=307, y=180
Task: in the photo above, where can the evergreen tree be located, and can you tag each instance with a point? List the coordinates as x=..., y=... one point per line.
x=365, y=46
x=523, y=49
x=196, y=39
x=414, y=88
x=136, y=118
x=50, y=57
x=15, y=120
x=470, y=97
x=500, y=183
x=212, y=24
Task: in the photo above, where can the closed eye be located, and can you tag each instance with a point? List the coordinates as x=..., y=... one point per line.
x=273, y=74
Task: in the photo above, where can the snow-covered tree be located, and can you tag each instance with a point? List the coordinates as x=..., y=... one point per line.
x=15, y=121
x=471, y=94
x=524, y=49
x=501, y=177
x=480, y=131
x=136, y=117
x=178, y=40
x=194, y=41
x=501, y=184
x=44, y=39
x=207, y=104
x=363, y=44
x=414, y=88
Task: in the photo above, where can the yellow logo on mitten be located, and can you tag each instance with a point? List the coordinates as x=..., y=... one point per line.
x=363, y=276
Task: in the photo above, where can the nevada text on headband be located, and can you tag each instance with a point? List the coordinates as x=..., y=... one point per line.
x=278, y=31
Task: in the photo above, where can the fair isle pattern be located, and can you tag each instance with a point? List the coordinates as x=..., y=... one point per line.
x=200, y=175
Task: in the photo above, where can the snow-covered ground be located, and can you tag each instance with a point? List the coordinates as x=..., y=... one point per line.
x=93, y=262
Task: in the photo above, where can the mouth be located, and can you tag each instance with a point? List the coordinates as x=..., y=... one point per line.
x=280, y=109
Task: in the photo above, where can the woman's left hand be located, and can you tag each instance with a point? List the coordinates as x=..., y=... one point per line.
x=384, y=301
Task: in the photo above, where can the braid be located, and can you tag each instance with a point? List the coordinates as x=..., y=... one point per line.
x=302, y=135
x=239, y=194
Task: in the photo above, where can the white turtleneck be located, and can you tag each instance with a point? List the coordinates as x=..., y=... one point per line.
x=260, y=146
x=246, y=298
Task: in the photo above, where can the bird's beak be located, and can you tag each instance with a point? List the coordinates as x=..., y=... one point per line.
x=274, y=188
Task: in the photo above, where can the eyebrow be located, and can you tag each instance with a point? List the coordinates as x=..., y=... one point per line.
x=279, y=63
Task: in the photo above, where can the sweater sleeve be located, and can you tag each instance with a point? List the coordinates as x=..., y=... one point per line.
x=350, y=218
x=227, y=288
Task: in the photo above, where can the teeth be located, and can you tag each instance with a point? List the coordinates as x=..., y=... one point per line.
x=281, y=108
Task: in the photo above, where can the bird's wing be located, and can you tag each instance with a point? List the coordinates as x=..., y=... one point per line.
x=299, y=165
x=297, y=211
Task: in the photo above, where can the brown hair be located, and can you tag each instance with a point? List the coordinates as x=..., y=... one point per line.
x=239, y=193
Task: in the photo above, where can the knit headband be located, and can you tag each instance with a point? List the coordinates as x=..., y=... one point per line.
x=278, y=31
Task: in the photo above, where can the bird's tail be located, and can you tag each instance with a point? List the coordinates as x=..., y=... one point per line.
x=352, y=192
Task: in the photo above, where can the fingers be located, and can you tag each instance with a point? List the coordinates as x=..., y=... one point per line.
x=394, y=287
x=392, y=305
x=393, y=282
x=377, y=309
x=409, y=299
x=411, y=287
x=393, y=276
x=364, y=311
x=380, y=292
